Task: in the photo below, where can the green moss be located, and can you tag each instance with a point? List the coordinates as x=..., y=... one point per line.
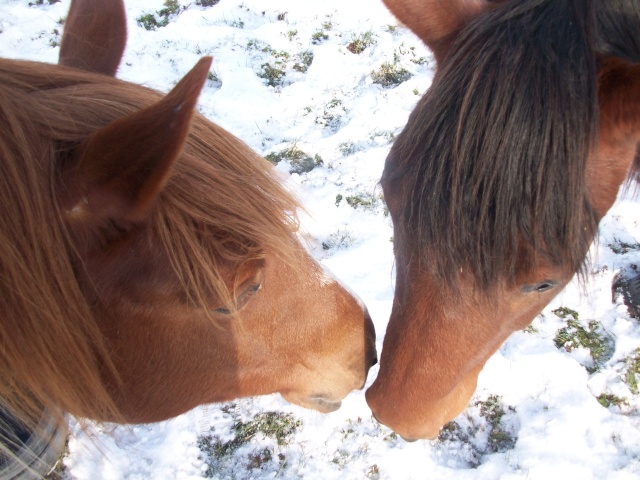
x=274, y=71
x=594, y=338
x=564, y=313
x=359, y=43
x=632, y=371
x=373, y=472
x=161, y=18
x=366, y=200
x=278, y=426
x=390, y=74
x=338, y=240
x=273, y=75
x=347, y=148
x=300, y=161
x=331, y=114
x=608, y=399
x=464, y=436
x=319, y=37
x=493, y=411
x=619, y=247
x=303, y=61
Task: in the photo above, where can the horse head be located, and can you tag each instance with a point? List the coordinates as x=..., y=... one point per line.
x=149, y=257
x=497, y=183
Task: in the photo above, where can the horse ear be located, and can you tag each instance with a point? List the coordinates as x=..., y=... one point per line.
x=435, y=21
x=114, y=176
x=619, y=94
x=95, y=35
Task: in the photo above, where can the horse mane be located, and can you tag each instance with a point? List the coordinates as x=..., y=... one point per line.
x=220, y=191
x=495, y=153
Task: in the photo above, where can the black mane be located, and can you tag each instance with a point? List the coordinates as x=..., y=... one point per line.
x=495, y=152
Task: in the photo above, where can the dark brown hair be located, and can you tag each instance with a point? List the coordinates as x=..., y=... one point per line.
x=495, y=152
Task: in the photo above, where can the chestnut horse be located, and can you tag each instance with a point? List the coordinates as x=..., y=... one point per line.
x=148, y=258
x=497, y=183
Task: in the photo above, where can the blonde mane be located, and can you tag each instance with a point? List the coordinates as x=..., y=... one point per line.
x=53, y=352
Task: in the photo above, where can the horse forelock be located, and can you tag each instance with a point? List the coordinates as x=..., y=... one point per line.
x=218, y=186
x=495, y=153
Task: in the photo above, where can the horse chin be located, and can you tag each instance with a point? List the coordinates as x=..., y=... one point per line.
x=320, y=403
x=325, y=405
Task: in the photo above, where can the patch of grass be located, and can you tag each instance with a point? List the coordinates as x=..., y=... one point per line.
x=373, y=472
x=626, y=283
x=43, y=2
x=331, y=114
x=594, y=338
x=271, y=425
x=207, y=3
x=410, y=52
x=55, y=41
x=364, y=200
x=632, y=371
x=291, y=34
x=318, y=37
x=359, y=43
x=347, y=148
x=214, y=80
x=474, y=437
x=565, y=313
x=303, y=61
x=350, y=449
x=237, y=23
x=493, y=411
x=393, y=73
x=386, y=135
x=621, y=248
x=274, y=71
x=149, y=22
x=390, y=74
x=608, y=399
x=273, y=75
x=338, y=240
x=153, y=21
x=300, y=161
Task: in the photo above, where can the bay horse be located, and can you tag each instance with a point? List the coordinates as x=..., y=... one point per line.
x=148, y=258
x=497, y=183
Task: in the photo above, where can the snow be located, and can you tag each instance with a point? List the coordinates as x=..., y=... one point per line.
x=334, y=110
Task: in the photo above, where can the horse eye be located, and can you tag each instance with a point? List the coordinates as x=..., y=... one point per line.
x=242, y=299
x=539, y=287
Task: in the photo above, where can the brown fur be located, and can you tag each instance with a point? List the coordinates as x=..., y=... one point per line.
x=496, y=185
x=148, y=258
x=42, y=297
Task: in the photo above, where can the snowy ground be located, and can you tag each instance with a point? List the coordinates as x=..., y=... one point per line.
x=539, y=410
